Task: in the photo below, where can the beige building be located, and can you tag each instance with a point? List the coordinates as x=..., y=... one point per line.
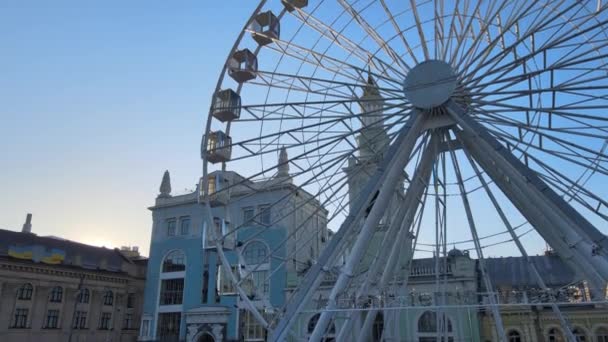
x=53, y=289
x=525, y=313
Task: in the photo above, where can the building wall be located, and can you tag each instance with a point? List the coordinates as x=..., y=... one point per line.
x=200, y=254
x=13, y=274
x=534, y=322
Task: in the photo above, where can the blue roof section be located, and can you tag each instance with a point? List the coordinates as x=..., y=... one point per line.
x=90, y=256
x=515, y=272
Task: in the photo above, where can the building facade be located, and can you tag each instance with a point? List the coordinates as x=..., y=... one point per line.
x=189, y=295
x=59, y=290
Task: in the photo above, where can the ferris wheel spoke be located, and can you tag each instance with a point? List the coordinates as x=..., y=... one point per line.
x=535, y=52
x=571, y=130
x=569, y=148
x=487, y=282
x=546, y=131
x=374, y=35
x=338, y=38
x=529, y=34
x=568, y=65
x=480, y=57
x=399, y=32
x=468, y=28
x=569, y=126
x=332, y=64
x=491, y=64
x=553, y=153
x=559, y=177
x=512, y=108
x=574, y=191
x=311, y=57
x=315, y=85
x=331, y=34
x=329, y=123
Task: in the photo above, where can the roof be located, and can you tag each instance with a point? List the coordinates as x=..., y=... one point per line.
x=50, y=250
x=515, y=272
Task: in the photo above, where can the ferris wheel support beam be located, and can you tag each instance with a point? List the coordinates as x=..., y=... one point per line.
x=539, y=279
x=411, y=204
x=331, y=252
x=548, y=212
x=390, y=240
x=396, y=158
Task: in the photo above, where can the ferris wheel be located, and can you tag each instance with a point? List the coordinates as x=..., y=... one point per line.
x=410, y=128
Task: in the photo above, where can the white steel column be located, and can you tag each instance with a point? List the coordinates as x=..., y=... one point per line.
x=411, y=203
x=398, y=161
x=539, y=280
x=315, y=275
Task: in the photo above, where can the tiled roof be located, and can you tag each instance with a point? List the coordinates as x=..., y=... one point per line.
x=91, y=257
x=515, y=272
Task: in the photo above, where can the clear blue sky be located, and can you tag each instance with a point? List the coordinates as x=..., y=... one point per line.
x=97, y=99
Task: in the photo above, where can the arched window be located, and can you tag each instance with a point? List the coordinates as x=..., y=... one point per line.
x=25, y=292
x=427, y=327
x=255, y=253
x=330, y=334
x=579, y=334
x=83, y=296
x=175, y=261
x=378, y=328
x=554, y=335
x=514, y=336
x=56, y=294
x=108, y=298
x=601, y=334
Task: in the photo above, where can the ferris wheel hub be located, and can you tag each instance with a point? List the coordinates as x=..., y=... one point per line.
x=430, y=84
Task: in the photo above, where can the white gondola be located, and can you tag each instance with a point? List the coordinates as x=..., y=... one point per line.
x=217, y=190
x=265, y=27
x=243, y=66
x=227, y=105
x=220, y=229
x=293, y=4
x=219, y=147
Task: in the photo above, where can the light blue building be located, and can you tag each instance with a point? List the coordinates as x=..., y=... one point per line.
x=188, y=296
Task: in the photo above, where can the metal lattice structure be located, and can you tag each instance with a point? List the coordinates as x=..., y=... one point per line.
x=414, y=126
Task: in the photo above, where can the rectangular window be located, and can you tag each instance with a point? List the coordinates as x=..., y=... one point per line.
x=52, y=319
x=171, y=224
x=128, y=322
x=145, y=328
x=168, y=326
x=248, y=213
x=253, y=330
x=260, y=282
x=226, y=286
x=130, y=300
x=104, y=321
x=184, y=225
x=205, y=292
x=80, y=320
x=20, y=319
x=171, y=291
x=264, y=214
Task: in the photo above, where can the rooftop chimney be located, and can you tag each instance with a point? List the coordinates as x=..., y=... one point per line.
x=27, y=226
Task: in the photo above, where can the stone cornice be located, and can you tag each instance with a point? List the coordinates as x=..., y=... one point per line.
x=121, y=278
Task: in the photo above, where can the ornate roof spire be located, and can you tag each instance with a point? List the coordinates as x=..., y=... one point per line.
x=371, y=88
x=283, y=169
x=165, y=185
